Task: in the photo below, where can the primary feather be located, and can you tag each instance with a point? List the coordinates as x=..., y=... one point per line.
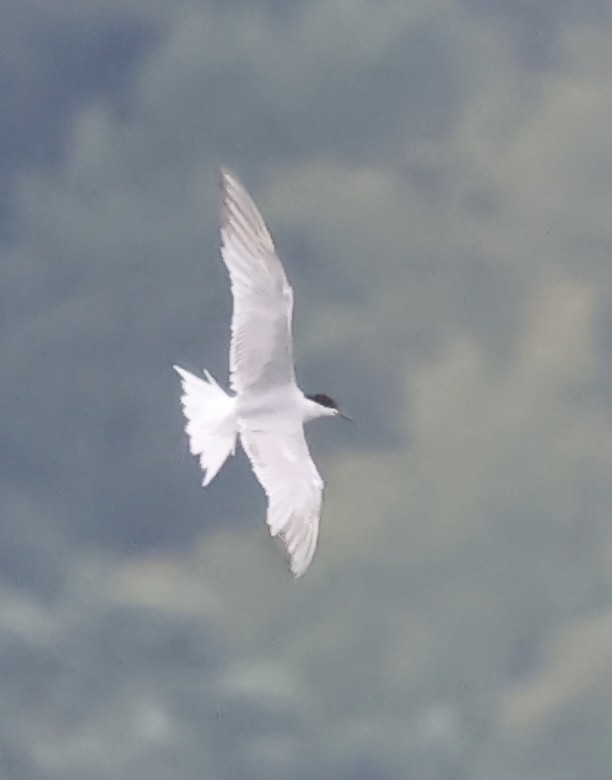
x=285, y=470
x=261, y=352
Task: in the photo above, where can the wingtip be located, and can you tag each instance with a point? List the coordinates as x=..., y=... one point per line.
x=225, y=177
x=297, y=565
x=301, y=557
x=299, y=570
x=226, y=181
x=303, y=565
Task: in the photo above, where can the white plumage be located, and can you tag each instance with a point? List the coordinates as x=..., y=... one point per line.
x=267, y=409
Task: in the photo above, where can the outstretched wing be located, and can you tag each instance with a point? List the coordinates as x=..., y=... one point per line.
x=294, y=488
x=261, y=355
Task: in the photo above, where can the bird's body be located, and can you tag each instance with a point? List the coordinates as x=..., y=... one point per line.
x=268, y=410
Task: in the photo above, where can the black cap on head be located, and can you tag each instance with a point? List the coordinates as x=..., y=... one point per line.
x=323, y=400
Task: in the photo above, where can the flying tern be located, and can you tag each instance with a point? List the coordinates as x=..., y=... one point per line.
x=267, y=410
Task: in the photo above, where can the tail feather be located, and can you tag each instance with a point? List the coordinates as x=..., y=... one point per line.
x=211, y=421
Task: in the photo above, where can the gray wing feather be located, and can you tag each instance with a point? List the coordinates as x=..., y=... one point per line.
x=294, y=488
x=261, y=352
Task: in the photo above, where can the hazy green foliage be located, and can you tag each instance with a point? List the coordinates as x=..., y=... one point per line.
x=437, y=177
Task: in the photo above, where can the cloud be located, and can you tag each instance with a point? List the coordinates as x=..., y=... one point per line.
x=437, y=178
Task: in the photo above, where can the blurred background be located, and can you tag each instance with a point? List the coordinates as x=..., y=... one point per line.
x=438, y=178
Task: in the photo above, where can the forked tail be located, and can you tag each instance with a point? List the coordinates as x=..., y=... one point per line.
x=211, y=421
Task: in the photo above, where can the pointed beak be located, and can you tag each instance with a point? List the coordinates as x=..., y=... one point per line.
x=345, y=416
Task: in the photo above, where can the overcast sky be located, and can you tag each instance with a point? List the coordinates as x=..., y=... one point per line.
x=438, y=179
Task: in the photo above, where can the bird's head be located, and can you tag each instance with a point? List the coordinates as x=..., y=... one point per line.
x=325, y=406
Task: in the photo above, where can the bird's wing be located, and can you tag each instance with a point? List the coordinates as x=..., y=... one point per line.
x=294, y=488
x=261, y=354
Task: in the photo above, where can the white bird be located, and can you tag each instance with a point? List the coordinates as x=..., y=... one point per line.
x=267, y=410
